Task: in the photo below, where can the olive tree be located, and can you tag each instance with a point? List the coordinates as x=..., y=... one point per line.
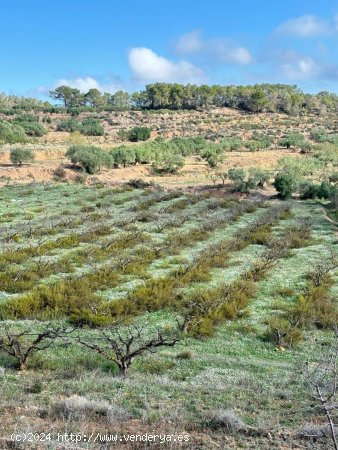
x=295, y=140
x=285, y=184
x=89, y=157
x=123, y=156
x=19, y=156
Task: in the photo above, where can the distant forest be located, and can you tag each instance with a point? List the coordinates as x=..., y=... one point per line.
x=254, y=99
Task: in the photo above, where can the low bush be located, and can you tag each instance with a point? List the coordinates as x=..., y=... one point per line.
x=156, y=366
x=80, y=408
x=184, y=354
x=92, y=127
x=167, y=163
x=69, y=125
x=153, y=294
x=285, y=184
x=316, y=307
x=59, y=173
x=282, y=332
x=89, y=157
x=19, y=156
x=33, y=129
x=310, y=190
x=226, y=420
x=73, y=299
x=11, y=133
x=260, y=236
x=139, y=134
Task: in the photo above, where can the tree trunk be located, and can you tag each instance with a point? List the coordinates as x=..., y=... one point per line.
x=23, y=365
x=122, y=368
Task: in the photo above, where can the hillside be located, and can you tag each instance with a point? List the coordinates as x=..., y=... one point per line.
x=182, y=285
x=214, y=125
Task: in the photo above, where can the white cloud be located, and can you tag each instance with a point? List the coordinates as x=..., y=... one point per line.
x=295, y=66
x=189, y=43
x=225, y=53
x=219, y=50
x=147, y=66
x=302, y=69
x=292, y=66
x=86, y=83
x=304, y=26
x=83, y=84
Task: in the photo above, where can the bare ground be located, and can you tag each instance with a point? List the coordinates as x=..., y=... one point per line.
x=195, y=172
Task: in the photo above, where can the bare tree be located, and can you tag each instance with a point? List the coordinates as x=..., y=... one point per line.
x=321, y=271
x=323, y=380
x=121, y=345
x=23, y=344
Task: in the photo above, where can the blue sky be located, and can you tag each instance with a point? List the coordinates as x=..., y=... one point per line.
x=125, y=45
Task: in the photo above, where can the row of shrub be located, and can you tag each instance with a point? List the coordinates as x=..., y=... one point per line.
x=20, y=129
x=41, y=304
x=15, y=279
x=160, y=293
x=88, y=127
x=315, y=307
x=93, y=127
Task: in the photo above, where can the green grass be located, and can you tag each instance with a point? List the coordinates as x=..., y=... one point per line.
x=235, y=368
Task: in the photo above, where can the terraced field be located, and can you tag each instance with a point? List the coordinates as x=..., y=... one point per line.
x=214, y=271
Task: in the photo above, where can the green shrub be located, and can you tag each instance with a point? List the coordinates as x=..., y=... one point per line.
x=123, y=155
x=241, y=183
x=69, y=125
x=167, y=163
x=312, y=190
x=26, y=118
x=292, y=140
x=89, y=157
x=156, y=366
x=319, y=135
x=35, y=386
x=153, y=295
x=213, y=154
x=184, y=354
x=308, y=190
x=19, y=156
x=282, y=333
x=73, y=299
x=33, y=129
x=139, y=134
x=92, y=127
x=315, y=307
x=201, y=327
x=11, y=133
x=231, y=144
x=259, y=177
x=325, y=190
x=285, y=184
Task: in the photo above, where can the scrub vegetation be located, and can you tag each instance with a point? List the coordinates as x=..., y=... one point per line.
x=171, y=270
